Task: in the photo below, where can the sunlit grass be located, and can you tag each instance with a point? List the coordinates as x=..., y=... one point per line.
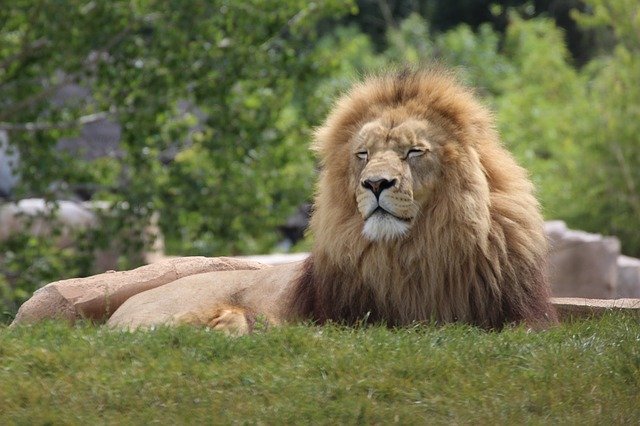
x=586, y=372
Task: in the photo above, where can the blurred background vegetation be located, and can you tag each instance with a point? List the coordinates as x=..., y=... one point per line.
x=213, y=103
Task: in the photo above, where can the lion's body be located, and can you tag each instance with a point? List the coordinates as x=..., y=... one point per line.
x=420, y=215
x=224, y=300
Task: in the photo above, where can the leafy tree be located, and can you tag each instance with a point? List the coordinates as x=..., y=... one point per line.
x=376, y=17
x=610, y=176
x=574, y=129
x=211, y=98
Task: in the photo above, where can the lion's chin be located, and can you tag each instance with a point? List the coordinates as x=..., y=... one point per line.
x=382, y=226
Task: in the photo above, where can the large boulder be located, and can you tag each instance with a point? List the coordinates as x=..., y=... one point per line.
x=98, y=296
x=628, y=277
x=582, y=264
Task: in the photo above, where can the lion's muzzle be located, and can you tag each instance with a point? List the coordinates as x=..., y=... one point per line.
x=386, y=206
x=378, y=185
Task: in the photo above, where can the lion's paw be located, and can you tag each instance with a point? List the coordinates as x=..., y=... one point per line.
x=233, y=321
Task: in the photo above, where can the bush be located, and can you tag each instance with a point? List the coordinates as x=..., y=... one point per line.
x=211, y=99
x=576, y=130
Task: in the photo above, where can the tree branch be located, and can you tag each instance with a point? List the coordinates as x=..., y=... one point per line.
x=42, y=126
x=295, y=19
x=34, y=99
x=386, y=14
x=25, y=52
x=92, y=59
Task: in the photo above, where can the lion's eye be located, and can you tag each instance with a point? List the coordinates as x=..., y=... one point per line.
x=415, y=152
x=363, y=155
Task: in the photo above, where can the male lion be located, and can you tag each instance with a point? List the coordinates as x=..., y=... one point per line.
x=420, y=216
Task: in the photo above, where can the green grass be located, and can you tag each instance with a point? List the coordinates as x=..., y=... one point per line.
x=586, y=372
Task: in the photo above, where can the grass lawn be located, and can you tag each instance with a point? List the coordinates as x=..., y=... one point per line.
x=586, y=372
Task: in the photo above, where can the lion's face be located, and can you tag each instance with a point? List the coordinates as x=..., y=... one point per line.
x=395, y=167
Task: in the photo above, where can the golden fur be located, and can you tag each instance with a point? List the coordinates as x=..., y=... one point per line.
x=466, y=240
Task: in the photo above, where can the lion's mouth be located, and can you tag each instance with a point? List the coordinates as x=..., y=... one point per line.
x=382, y=212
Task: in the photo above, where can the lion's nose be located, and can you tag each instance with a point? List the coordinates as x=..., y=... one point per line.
x=378, y=185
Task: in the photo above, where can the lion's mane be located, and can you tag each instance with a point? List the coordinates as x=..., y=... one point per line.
x=475, y=253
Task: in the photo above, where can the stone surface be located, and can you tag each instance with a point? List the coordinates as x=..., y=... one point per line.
x=582, y=264
x=98, y=296
x=555, y=229
x=628, y=277
x=37, y=217
x=572, y=307
x=9, y=159
x=267, y=259
x=14, y=218
x=277, y=259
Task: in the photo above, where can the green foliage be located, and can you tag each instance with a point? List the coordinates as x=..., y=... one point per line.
x=141, y=62
x=223, y=84
x=53, y=252
x=586, y=372
x=28, y=260
x=543, y=112
x=351, y=55
x=611, y=188
x=577, y=130
x=574, y=129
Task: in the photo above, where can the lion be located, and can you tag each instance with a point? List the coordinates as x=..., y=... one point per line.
x=420, y=216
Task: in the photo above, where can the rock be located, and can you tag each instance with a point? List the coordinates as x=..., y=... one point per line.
x=628, y=277
x=570, y=307
x=37, y=217
x=9, y=160
x=277, y=259
x=98, y=296
x=34, y=212
x=582, y=264
x=555, y=229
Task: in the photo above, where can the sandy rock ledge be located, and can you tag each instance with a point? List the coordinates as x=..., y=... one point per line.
x=98, y=296
x=572, y=307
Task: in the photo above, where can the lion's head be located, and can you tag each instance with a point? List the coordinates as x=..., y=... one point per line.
x=395, y=168
x=420, y=213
